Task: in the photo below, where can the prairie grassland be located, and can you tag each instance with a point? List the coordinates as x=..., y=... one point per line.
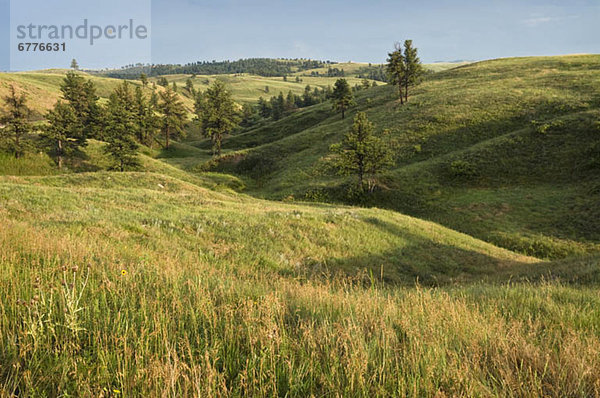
x=145, y=285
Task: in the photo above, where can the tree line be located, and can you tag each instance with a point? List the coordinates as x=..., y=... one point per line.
x=266, y=67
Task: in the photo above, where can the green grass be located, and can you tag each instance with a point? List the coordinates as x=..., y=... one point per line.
x=526, y=128
x=225, y=295
x=182, y=279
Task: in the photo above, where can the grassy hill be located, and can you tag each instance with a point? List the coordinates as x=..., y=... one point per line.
x=472, y=271
x=130, y=283
x=504, y=150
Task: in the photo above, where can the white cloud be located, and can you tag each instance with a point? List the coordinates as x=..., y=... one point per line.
x=541, y=20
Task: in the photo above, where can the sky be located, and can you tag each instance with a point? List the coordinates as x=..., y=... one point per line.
x=182, y=31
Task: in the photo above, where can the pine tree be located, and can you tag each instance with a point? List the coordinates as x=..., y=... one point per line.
x=62, y=135
x=219, y=115
x=264, y=108
x=120, y=126
x=189, y=86
x=74, y=64
x=144, y=79
x=362, y=153
x=81, y=95
x=145, y=119
x=365, y=84
x=414, y=69
x=342, y=96
x=396, y=70
x=174, y=115
x=16, y=124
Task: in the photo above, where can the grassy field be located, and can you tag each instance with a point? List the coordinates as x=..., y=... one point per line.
x=234, y=277
x=524, y=130
x=143, y=284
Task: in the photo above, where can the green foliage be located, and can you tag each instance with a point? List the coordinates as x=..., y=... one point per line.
x=14, y=124
x=62, y=135
x=120, y=128
x=342, y=96
x=174, y=115
x=462, y=169
x=362, y=154
x=81, y=95
x=217, y=114
x=404, y=68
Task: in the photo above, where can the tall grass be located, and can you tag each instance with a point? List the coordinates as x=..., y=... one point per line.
x=112, y=288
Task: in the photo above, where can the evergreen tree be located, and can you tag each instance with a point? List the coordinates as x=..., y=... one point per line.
x=365, y=84
x=414, y=69
x=145, y=119
x=174, y=86
x=290, y=102
x=81, y=96
x=249, y=115
x=362, y=153
x=74, y=64
x=120, y=125
x=189, y=86
x=307, y=98
x=162, y=81
x=219, y=115
x=173, y=115
x=342, y=96
x=264, y=108
x=144, y=79
x=61, y=135
x=396, y=69
x=16, y=124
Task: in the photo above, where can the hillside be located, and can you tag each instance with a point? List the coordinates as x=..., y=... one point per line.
x=522, y=135
x=137, y=281
x=472, y=271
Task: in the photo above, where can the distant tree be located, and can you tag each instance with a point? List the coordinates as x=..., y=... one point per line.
x=62, y=135
x=266, y=89
x=374, y=84
x=264, y=108
x=74, y=64
x=81, y=95
x=298, y=80
x=362, y=153
x=414, y=69
x=290, y=102
x=404, y=68
x=365, y=84
x=175, y=86
x=173, y=115
x=277, y=106
x=189, y=86
x=15, y=123
x=144, y=79
x=342, y=96
x=219, y=115
x=249, y=115
x=284, y=78
x=162, y=81
x=396, y=69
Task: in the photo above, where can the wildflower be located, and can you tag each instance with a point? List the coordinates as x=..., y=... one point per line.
x=123, y=272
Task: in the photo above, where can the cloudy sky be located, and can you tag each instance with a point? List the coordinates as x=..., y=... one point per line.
x=443, y=30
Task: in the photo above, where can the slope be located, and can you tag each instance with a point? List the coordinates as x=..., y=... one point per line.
x=505, y=150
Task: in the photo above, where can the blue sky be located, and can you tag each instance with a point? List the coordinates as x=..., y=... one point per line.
x=189, y=30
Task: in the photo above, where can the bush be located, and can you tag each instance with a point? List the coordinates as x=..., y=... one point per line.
x=462, y=169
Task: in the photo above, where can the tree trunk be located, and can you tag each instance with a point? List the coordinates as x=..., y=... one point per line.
x=406, y=92
x=60, y=152
x=219, y=139
x=168, y=133
x=343, y=112
x=401, y=93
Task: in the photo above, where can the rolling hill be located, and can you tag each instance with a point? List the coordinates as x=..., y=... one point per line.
x=505, y=150
x=472, y=271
